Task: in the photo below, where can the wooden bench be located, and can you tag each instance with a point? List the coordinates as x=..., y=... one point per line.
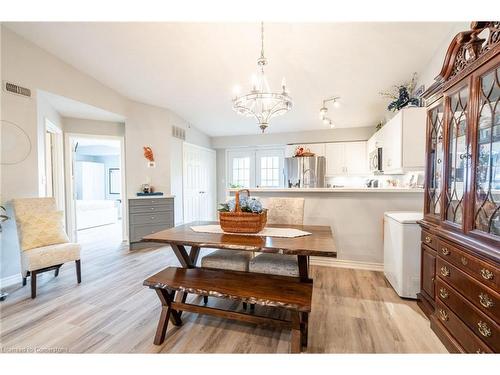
x=268, y=290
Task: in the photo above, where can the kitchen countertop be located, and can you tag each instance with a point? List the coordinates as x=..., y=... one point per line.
x=336, y=190
x=151, y=196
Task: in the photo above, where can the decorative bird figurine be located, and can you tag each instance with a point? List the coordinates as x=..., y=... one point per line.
x=148, y=153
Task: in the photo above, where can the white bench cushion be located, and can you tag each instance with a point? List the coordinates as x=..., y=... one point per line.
x=227, y=260
x=41, y=257
x=275, y=264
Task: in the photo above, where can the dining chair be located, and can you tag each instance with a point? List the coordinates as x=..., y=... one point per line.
x=43, y=243
x=280, y=211
x=227, y=260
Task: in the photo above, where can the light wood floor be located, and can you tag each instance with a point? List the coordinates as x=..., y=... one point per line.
x=354, y=311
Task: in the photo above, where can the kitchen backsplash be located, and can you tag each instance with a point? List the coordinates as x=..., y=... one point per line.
x=410, y=179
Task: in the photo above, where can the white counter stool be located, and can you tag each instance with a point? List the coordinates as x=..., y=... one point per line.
x=280, y=211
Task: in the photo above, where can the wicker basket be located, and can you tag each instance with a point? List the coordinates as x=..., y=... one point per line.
x=242, y=222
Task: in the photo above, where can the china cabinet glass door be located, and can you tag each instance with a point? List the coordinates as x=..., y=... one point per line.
x=487, y=172
x=458, y=156
x=436, y=156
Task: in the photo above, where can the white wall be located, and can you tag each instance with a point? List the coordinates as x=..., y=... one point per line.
x=176, y=181
x=26, y=64
x=326, y=135
x=93, y=127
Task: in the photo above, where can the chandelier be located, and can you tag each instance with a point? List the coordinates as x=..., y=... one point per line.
x=261, y=102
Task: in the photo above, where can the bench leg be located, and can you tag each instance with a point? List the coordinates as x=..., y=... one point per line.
x=166, y=299
x=167, y=313
x=296, y=339
x=205, y=299
x=161, y=330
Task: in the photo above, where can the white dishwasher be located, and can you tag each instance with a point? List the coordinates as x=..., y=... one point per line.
x=402, y=252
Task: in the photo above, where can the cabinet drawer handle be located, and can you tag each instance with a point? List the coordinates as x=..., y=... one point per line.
x=428, y=239
x=445, y=251
x=445, y=271
x=464, y=261
x=443, y=315
x=486, y=274
x=484, y=329
x=152, y=217
x=152, y=208
x=443, y=293
x=485, y=300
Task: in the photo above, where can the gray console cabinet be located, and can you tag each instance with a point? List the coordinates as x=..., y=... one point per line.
x=149, y=215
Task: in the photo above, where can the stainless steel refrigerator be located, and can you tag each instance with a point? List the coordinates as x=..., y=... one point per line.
x=305, y=171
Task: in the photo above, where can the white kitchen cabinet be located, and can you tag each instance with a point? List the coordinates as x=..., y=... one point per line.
x=317, y=148
x=335, y=159
x=403, y=141
x=356, y=162
x=346, y=159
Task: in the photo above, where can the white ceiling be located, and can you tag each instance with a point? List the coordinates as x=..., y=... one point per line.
x=191, y=68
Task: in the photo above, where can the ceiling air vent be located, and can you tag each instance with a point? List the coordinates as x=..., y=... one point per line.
x=15, y=89
x=179, y=133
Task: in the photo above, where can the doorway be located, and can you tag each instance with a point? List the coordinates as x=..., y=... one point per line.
x=54, y=163
x=97, y=183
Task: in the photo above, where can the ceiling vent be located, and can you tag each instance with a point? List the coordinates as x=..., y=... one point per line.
x=179, y=133
x=15, y=89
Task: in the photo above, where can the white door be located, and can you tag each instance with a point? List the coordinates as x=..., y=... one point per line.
x=335, y=164
x=199, y=183
x=356, y=162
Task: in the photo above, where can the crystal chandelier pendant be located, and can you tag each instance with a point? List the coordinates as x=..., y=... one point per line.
x=261, y=102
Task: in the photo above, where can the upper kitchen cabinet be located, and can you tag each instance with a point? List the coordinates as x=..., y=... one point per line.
x=403, y=141
x=316, y=148
x=346, y=159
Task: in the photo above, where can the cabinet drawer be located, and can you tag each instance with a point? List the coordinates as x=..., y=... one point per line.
x=484, y=327
x=150, y=201
x=146, y=209
x=428, y=238
x=137, y=232
x=152, y=218
x=480, y=270
x=467, y=339
x=484, y=298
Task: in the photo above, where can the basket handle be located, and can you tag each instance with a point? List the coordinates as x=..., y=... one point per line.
x=237, y=207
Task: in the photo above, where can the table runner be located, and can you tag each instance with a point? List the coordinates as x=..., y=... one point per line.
x=266, y=232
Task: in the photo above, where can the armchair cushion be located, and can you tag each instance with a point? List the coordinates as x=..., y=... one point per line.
x=41, y=229
x=48, y=256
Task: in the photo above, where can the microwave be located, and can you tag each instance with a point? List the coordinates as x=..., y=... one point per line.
x=375, y=160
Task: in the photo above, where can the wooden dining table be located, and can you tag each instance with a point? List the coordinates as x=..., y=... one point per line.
x=294, y=293
x=319, y=243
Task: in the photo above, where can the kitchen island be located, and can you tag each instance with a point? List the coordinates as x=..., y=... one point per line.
x=356, y=216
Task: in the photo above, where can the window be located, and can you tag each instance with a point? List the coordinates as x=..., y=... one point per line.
x=255, y=168
x=241, y=172
x=270, y=171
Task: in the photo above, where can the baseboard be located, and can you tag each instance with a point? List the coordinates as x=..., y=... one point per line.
x=10, y=280
x=332, y=262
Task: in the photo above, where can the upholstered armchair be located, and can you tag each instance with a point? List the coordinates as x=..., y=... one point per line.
x=43, y=243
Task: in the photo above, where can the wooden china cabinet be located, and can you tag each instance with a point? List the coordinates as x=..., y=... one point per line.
x=460, y=261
